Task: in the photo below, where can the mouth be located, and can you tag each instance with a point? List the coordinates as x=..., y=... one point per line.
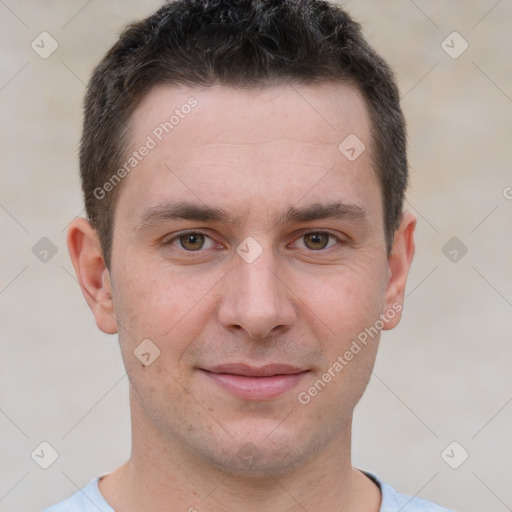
x=255, y=383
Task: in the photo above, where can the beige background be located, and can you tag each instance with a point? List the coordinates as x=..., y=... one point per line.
x=442, y=376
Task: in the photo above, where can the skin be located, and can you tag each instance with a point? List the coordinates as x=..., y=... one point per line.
x=255, y=154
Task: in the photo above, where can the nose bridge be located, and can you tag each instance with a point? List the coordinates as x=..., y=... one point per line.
x=257, y=303
x=258, y=283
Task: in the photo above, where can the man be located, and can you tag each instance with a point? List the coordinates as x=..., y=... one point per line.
x=243, y=166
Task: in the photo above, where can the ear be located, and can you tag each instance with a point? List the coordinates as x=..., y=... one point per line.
x=93, y=276
x=399, y=263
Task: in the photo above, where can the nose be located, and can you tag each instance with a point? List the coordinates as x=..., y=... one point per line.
x=256, y=299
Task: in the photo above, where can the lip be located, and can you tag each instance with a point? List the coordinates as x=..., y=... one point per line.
x=255, y=383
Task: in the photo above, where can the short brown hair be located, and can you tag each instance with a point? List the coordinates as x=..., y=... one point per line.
x=239, y=44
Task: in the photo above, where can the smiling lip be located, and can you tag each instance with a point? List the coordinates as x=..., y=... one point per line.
x=256, y=383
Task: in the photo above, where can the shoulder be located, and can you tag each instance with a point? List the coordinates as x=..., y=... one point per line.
x=393, y=501
x=88, y=499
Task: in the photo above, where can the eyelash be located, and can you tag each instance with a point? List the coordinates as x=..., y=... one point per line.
x=175, y=238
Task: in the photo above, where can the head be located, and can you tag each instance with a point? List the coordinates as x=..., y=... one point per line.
x=244, y=166
x=244, y=45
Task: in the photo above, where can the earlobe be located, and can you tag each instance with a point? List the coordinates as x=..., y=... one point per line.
x=93, y=276
x=399, y=263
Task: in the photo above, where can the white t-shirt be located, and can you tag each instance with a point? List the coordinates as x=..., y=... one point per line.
x=89, y=499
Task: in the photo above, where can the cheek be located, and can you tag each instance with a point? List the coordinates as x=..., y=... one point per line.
x=345, y=306
x=345, y=302
x=170, y=308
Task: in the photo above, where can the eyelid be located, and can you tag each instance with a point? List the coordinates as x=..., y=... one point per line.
x=340, y=240
x=169, y=240
x=297, y=236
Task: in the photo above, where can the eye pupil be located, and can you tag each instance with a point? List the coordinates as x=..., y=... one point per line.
x=316, y=241
x=192, y=241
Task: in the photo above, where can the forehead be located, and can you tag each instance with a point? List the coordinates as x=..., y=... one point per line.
x=269, y=147
x=327, y=111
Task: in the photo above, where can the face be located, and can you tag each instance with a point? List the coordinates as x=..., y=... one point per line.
x=250, y=251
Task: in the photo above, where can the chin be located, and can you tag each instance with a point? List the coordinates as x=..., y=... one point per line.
x=260, y=455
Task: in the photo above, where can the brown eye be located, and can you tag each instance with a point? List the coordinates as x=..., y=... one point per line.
x=316, y=241
x=192, y=241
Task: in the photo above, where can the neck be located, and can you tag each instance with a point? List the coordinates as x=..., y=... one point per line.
x=163, y=475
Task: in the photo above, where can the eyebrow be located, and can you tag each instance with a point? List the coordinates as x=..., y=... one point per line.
x=165, y=212
x=335, y=210
x=168, y=211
